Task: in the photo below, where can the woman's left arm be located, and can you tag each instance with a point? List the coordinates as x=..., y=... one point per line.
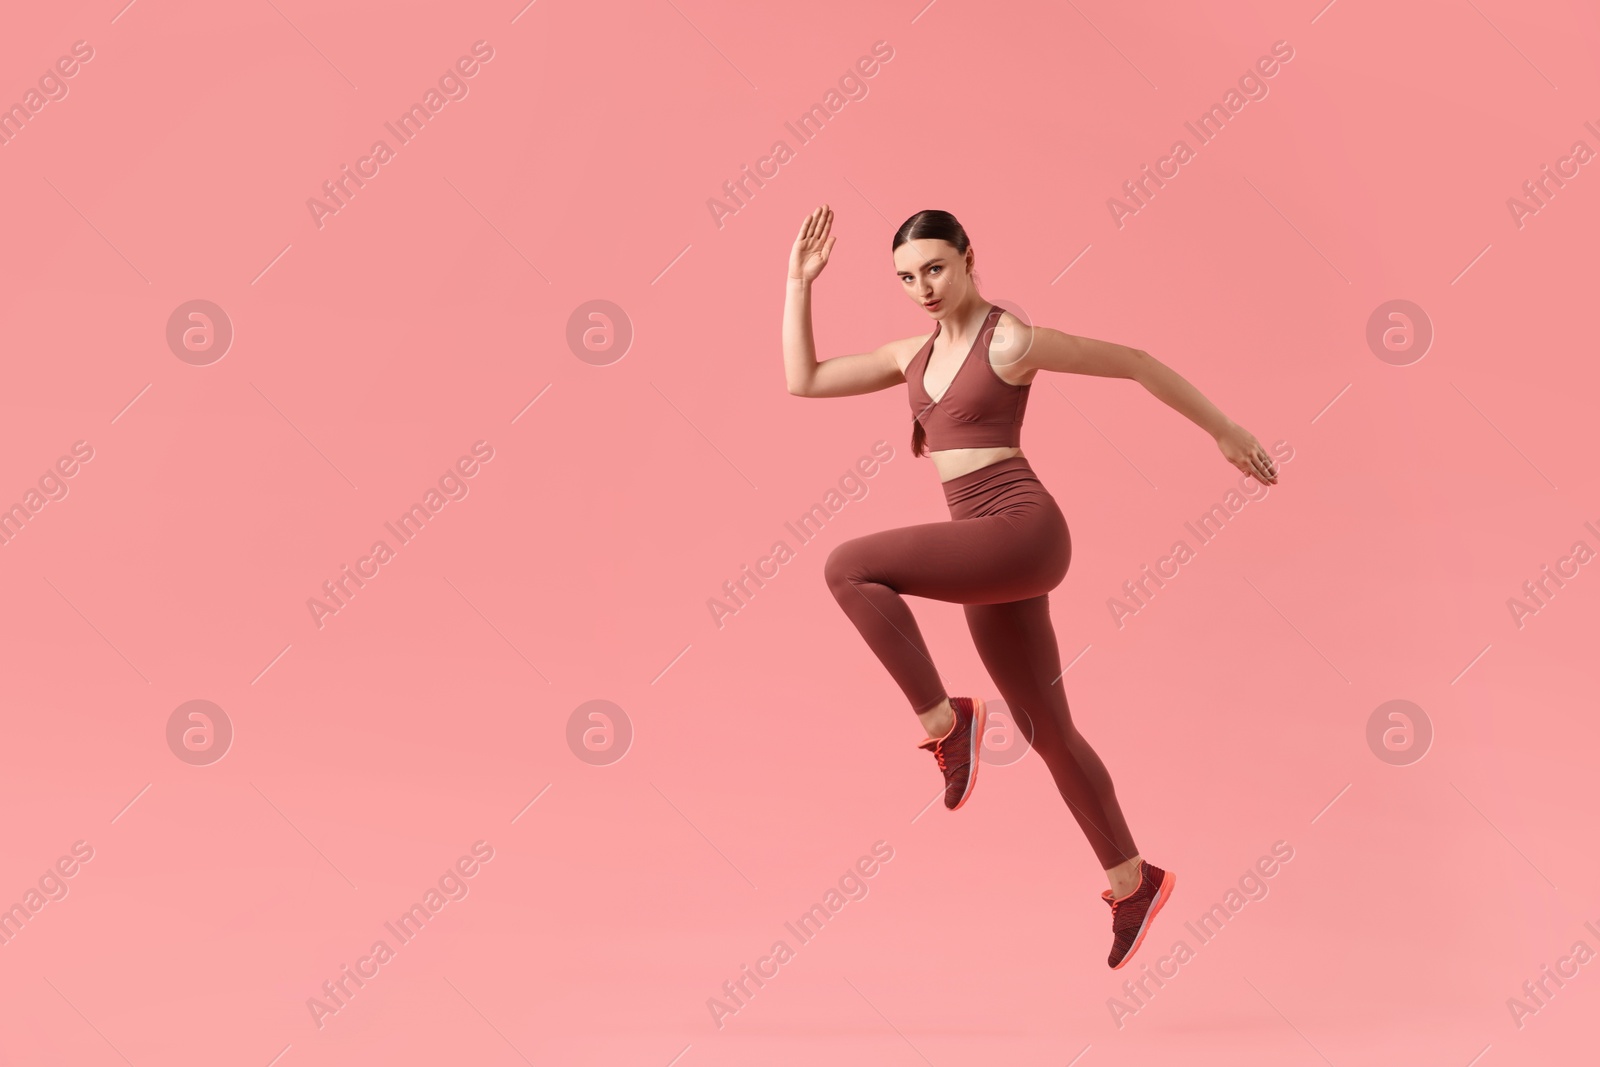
x=1053, y=350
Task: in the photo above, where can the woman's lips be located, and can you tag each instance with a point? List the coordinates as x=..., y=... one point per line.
x=935, y=304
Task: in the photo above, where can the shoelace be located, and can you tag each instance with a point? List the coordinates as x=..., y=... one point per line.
x=1120, y=936
x=1115, y=904
x=938, y=746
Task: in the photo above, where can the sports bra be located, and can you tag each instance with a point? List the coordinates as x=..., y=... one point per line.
x=979, y=409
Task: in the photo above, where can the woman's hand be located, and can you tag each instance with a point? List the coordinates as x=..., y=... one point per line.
x=811, y=248
x=1242, y=449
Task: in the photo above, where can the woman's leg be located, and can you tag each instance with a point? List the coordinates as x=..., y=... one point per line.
x=978, y=560
x=1017, y=643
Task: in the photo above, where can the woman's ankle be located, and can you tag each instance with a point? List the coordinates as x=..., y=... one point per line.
x=1124, y=877
x=938, y=720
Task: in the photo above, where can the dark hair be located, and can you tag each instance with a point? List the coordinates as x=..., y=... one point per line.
x=937, y=226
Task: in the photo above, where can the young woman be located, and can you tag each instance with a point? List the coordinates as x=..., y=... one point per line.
x=1006, y=544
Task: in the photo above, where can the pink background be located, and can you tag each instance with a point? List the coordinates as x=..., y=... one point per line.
x=767, y=755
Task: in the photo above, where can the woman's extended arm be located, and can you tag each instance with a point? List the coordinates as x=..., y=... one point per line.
x=1047, y=349
x=864, y=372
x=1172, y=389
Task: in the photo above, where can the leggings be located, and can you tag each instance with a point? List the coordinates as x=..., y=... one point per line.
x=1005, y=547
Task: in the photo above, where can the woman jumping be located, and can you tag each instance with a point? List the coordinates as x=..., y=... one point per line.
x=1006, y=544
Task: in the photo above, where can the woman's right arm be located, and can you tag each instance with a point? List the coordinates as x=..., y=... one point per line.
x=864, y=372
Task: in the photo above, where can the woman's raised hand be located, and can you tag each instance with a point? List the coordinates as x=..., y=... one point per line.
x=811, y=248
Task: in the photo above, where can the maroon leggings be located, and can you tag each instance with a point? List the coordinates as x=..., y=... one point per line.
x=1005, y=547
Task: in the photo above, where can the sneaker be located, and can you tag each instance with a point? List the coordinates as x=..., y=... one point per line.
x=1131, y=916
x=957, y=751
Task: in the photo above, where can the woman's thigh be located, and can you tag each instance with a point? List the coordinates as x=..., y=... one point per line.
x=992, y=559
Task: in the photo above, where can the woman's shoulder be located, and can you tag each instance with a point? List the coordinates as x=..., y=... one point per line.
x=1009, y=344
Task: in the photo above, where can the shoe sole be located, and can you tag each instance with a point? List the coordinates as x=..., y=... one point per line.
x=980, y=714
x=1168, y=883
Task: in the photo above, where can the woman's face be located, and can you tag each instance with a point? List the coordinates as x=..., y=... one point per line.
x=933, y=274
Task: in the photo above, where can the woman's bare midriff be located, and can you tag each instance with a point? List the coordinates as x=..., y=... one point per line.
x=954, y=462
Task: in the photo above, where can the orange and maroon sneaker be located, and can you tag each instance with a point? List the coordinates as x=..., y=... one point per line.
x=957, y=751
x=1131, y=916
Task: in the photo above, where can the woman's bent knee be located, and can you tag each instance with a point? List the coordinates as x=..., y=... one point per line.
x=840, y=568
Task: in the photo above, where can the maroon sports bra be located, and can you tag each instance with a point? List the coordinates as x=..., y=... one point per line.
x=979, y=409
